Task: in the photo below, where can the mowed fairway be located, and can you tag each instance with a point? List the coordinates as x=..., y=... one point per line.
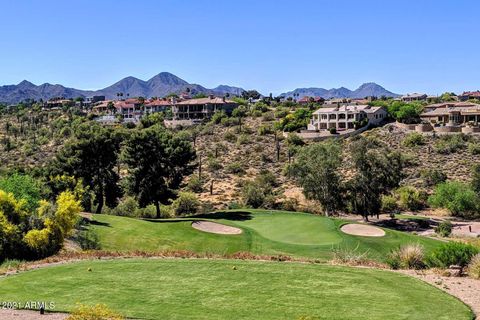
x=233, y=289
x=264, y=232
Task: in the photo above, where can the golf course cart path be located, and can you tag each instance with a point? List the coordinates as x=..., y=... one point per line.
x=214, y=227
x=9, y=314
x=464, y=288
x=362, y=230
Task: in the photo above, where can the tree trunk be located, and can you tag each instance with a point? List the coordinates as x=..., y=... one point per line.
x=100, y=202
x=157, y=208
x=200, y=167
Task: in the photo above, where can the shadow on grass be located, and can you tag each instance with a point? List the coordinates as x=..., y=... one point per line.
x=98, y=223
x=227, y=215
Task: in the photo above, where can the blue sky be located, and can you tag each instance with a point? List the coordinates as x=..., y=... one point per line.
x=273, y=46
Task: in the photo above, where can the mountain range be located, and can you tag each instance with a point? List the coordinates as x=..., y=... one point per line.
x=159, y=86
x=166, y=83
x=365, y=90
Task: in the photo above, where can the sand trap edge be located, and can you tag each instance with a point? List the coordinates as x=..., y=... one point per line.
x=363, y=230
x=217, y=228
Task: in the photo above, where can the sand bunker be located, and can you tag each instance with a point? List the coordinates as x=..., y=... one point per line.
x=214, y=227
x=362, y=230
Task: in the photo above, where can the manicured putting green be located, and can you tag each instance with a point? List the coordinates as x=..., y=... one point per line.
x=233, y=289
x=298, y=229
x=264, y=232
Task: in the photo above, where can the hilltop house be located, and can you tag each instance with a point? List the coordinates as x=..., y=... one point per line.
x=414, y=97
x=469, y=95
x=307, y=100
x=202, y=108
x=345, y=117
x=452, y=114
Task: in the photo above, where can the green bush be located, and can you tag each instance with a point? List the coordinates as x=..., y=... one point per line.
x=413, y=139
x=23, y=187
x=444, y=228
x=150, y=212
x=332, y=130
x=389, y=204
x=127, y=207
x=88, y=240
x=410, y=198
x=451, y=253
x=432, y=177
x=457, y=197
x=186, y=203
x=230, y=136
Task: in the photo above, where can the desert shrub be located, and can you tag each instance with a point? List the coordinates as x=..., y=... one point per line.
x=349, y=256
x=268, y=116
x=234, y=205
x=473, y=269
x=444, y=228
x=97, y=312
x=281, y=113
x=290, y=204
x=450, y=143
x=195, y=184
x=410, y=198
x=413, y=139
x=474, y=148
x=186, y=203
x=259, y=192
x=293, y=139
x=127, y=207
x=451, y=253
x=218, y=117
x=389, y=204
x=457, y=197
x=88, y=239
x=256, y=113
x=230, y=136
x=243, y=139
x=265, y=129
x=235, y=168
x=253, y=195
x=407, y=257
x=432, y=177
x=229, y=122
x=214, y=165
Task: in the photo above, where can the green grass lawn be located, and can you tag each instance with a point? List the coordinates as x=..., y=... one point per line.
x=213, y=289
x=265, y=232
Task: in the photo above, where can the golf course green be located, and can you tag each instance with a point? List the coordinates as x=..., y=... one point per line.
x=233, y=289
x=264, y=232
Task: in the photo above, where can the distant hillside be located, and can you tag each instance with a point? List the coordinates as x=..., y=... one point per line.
x=365, y=90
x=159, y=86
